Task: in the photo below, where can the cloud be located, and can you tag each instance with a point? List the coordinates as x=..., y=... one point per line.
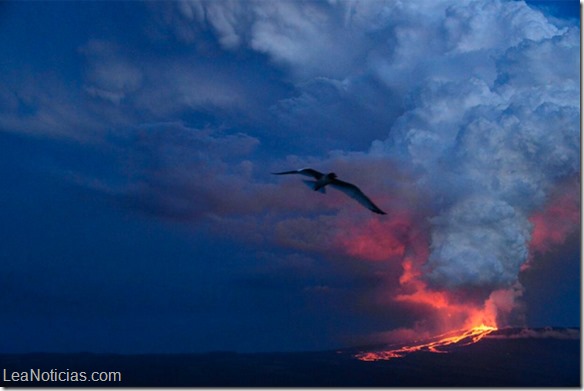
x=109, y=75
x=404, y=46
x=224, y=18
x=47, y=107
x=292, y=34
x=480, y=25
x=490, y=152
x=162, y=87
x=357, y=109
x=123, y=88
x=184, y=173
x=479, y=242
x=557, y=220
x=539, y=333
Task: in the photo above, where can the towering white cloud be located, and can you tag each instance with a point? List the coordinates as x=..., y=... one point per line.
x=490, y=150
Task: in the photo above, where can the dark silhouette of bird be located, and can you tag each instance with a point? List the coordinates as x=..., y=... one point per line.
x=323, y=180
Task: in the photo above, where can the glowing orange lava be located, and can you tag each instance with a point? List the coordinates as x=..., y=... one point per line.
x=436, y=345
x=456, y=317
x=471, y=322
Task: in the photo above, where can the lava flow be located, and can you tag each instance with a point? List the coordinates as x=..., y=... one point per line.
x=436, y=345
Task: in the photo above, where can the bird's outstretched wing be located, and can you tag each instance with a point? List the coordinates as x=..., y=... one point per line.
x=355, y=193
x=312, y=185
x=303, y=171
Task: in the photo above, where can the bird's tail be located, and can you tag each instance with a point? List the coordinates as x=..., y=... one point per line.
x=312, y=185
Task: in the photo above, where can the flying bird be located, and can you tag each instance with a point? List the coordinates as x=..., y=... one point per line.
x=322, y=180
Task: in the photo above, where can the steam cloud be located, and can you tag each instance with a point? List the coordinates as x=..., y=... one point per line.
x=490, y=155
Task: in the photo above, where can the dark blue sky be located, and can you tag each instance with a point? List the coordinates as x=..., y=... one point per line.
x=138, y=213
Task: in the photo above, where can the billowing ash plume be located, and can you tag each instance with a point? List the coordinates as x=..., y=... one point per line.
x=489, y=153
x=478, y=242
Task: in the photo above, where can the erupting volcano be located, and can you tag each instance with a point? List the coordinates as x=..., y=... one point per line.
x=477, y=321
x=439, y=344
x=460, y=273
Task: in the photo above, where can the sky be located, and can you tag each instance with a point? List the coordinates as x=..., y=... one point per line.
x=138, y=212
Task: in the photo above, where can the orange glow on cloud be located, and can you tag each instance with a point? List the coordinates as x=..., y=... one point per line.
x=559, y=219
x=450, y=311
x=451, y=317
x=411, y=278
x=462, y=323
x=394, y=239
x=375, y=240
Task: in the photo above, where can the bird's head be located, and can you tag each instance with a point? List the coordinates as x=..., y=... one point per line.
x=332, y=175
